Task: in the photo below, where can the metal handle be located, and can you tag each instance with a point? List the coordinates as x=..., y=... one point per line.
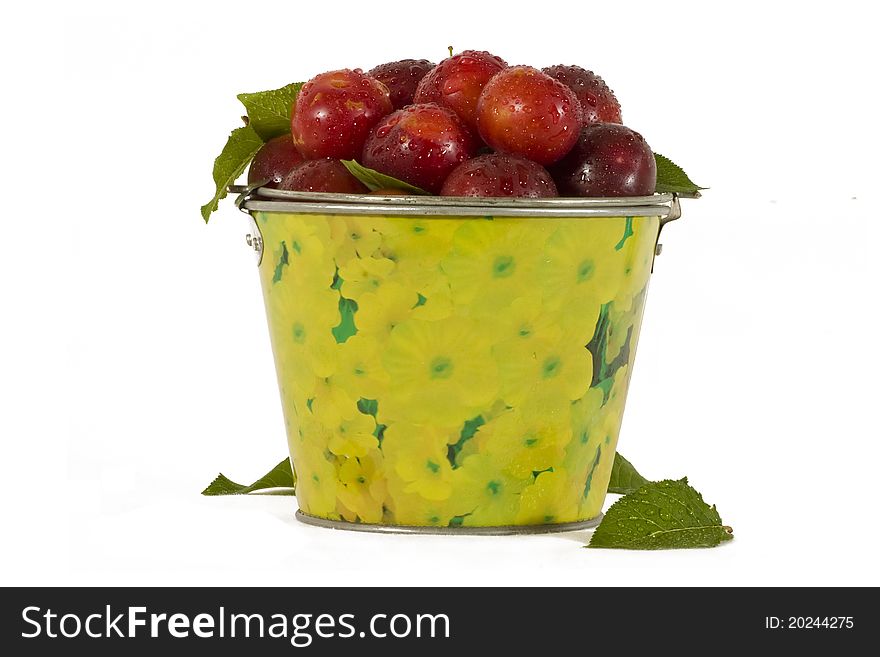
x=254, y=238
x=255, y=242
x=674, y=213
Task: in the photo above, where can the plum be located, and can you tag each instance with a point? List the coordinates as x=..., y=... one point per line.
x=335, y=111
x=525, y=112
x=499, y=175
x=419, y=144
x=608, y=160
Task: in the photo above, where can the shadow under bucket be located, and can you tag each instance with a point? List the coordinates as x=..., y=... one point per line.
x=453, y=365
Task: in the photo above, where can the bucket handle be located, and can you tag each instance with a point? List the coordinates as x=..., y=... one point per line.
x=254, y=238
x=674, y=213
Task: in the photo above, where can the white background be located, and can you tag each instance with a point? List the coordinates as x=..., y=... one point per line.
x=135, y=356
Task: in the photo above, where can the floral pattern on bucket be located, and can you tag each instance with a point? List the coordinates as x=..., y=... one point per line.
x=454, y=371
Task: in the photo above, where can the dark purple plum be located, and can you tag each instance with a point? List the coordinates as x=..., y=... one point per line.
x=326, y=175
x=608, y=160
x=402, y=78
x=273, y=161
x=597, y=100
x=499, y=175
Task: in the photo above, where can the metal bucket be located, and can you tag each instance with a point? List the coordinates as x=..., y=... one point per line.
x=453, y=365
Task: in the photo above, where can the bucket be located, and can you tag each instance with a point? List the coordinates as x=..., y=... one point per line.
x=453, y=365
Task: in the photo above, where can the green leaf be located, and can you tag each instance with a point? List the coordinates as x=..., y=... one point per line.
x=661, y=515
x=625, y=478
x=269, y=111
x=375, y=180
x=283, y=261
x=337, y=281
x=371, y=407
x=598, y=344
x=240, y=148
x=368, y=406
x=627, y=233
x=281, y=477
x=468, y=431
x=672, y=178
x=346, y=327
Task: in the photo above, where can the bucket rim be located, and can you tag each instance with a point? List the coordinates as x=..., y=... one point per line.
x=263, y=199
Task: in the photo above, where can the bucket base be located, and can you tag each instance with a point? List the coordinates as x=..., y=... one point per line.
x=503, y=530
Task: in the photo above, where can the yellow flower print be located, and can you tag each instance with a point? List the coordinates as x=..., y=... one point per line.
x=436, y=299
x=522, y=448
x=362, y=488
x=470, y=352
x=490, y=495
x=275, y=261
x=363, y=275
x=300, y=234
x=586, y=412
x=353, y=436
x=596, y=457
x=638, y=255
x=353, y=237
x=316, y=480
x=417, y=240
x=566, y=368
x=417, y=454
x=308, y=429
x=359, y=370
x=301, y=328
x=578, y=319
x=582, y=263
x=551, y=499
x=613, y=408
x=594, y=485
x=331, y=404
x=309, y=259
x=441, y=372
x=415, y=274
x=411, y=509
x=311, y=273
x=295, y=400
x=620, y=324
x=544, y=405
x=524, y=323
x=587, y=417
x=491, y=264
x=596, y=419
x=295, y=249
x=380, y=311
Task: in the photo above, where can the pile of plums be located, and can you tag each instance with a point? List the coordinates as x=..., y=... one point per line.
x=469, y=126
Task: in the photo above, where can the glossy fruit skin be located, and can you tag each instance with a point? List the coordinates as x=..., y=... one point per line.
x=326, y=175
x=402, y=78
x=457, y=82
x=608, y=160
x=598, y=101
x=419, y=144
x=525, y=112
x=273, y=161
x=334, y=113
x=499, y=175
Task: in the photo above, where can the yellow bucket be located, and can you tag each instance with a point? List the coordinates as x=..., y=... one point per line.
x=453, y=365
